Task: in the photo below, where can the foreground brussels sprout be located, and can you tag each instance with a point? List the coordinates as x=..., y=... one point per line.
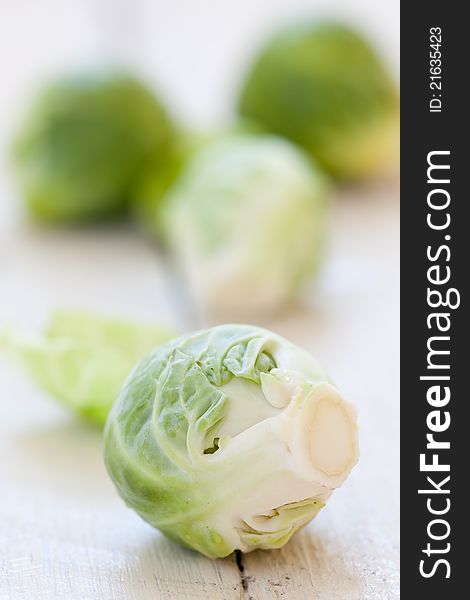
x=322, y=86
x=245, y=223
x=82, y=359
x=84, y=142
x=229, y=438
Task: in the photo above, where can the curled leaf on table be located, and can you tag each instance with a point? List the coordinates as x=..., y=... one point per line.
x=82, y=359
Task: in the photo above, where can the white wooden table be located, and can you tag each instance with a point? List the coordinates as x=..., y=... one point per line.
x=64, y=532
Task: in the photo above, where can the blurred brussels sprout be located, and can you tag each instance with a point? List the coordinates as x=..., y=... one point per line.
x=82, y=359
x=229, y=438
x=245, y=223
x=151, y=189
x=322, y=86
x=84, y=142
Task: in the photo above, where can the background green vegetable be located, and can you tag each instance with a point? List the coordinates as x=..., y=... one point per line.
x=245, y=223
x=322, y=86
x=86, y=139
x=229, y=438
x=151, y=190
x=82, y=359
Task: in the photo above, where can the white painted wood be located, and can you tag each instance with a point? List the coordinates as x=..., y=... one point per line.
x=65, y=534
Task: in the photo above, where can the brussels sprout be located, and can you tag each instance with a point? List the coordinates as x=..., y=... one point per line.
x=245, y=223
x=322, y=86
x=229, y=438
x=154, y=185
x=84, y=143
x=82, y=359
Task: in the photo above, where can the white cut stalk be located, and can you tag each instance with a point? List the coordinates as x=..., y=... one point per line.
x=319, y=429
x=304, y=451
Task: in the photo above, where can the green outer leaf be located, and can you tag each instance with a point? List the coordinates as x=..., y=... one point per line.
x=285, y=521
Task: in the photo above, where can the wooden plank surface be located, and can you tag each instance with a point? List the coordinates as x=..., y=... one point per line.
x=65, y=534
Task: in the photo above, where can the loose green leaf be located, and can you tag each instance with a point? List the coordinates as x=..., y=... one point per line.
x=83, y=359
